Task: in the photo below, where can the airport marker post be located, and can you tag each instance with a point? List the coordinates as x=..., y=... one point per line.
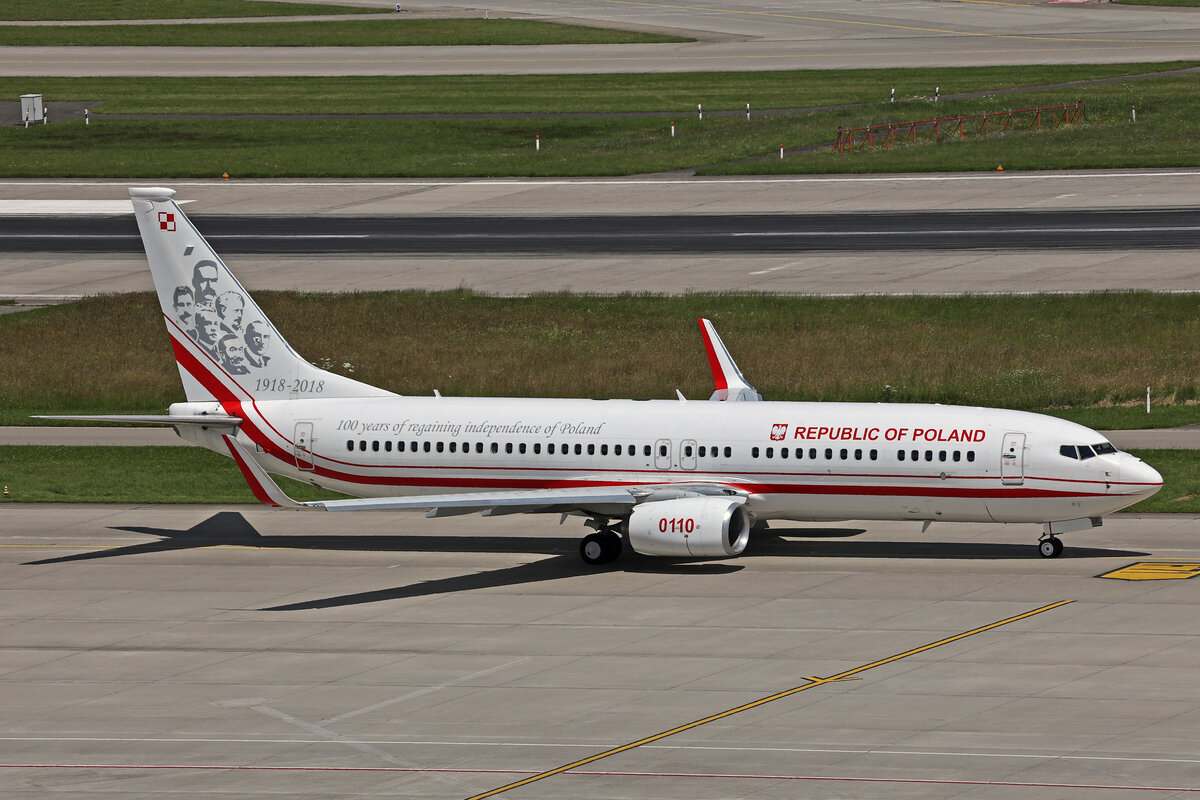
x=672, y=130
x=700, y=111
x=537, y=143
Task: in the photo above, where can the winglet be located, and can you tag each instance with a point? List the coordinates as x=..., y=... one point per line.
x=263, y=486
x=727, y=378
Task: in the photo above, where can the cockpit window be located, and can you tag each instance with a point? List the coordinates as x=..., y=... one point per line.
x=1104, y=448
x=1067, y=450
x=1085, y=452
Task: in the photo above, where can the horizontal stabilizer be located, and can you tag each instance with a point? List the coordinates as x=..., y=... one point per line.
x=212, y=420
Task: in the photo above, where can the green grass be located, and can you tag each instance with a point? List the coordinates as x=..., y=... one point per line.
x=557, y=93
x=31, y=10
x=194, y=475
x=130, y=475
x=1083, y=356
x=617, y=145
x=1181, y=481
x=335, y=33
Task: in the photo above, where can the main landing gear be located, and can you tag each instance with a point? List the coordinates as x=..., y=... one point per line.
x=1050, y=546
x=602, y=546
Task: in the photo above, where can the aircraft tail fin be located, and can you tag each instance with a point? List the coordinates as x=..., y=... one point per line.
x=226, y=348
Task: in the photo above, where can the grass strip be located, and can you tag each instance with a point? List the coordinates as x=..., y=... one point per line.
x=558, y=93
x=33, y=10
x=389, y=32
x=1060, y=353
x=194, y=475
x=36, y=474
x=612, y=145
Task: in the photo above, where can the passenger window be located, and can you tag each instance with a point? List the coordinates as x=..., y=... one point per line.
x=454, y=447
x=770, y=452
x=537, y=448
x=829, y=454
x=350, y=445
x=812, y=452
x=479, y=447
x=550, y=448
x=1085, y=452
x=754, y=452
x=899, y=455
x=941, y=455
x=578, y=449
x=362, y=445
x=874, y=455
x=687, y=451
x=591, y=449
x=957, y=456
x=388, y=445
x=440, y=446
x=508, y=447
x=662, y=450
x=844, y=454
x=413, y=447
x=646, y=450
x=970, y=455
x=603, y=449
x=783, y=452
x=428, y=447
x=729, y=452
x=495, y=447
x=916, y=455
x=616, y=449
x=929, y=455
x=858, y=455
x=1067, y=450
x=521, y=448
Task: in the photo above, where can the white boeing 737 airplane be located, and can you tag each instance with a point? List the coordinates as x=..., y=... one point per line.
x=666, y=477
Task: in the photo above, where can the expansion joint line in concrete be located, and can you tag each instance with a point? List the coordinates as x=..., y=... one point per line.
x=812, y=682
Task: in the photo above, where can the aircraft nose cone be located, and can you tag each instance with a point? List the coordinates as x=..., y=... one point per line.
x=1146, y=479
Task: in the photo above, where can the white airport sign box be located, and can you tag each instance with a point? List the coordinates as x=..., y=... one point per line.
x=31, y=108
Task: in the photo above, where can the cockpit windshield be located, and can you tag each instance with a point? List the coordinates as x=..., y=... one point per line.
x=1083, y=452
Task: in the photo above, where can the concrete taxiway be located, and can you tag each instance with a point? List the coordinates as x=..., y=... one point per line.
x=194, y=650
x=730, y=35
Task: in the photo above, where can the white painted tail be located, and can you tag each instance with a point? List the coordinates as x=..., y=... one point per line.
x=226, y=348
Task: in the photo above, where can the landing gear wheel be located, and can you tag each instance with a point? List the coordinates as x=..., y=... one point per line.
x=1050, y=547
x=612, y=545
x=600, y=547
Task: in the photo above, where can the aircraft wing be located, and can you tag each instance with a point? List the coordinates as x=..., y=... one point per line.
x=599, y=499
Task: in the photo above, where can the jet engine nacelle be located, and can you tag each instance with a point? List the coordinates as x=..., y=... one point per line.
x=694, y=526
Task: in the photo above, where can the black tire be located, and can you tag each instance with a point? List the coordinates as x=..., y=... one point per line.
x=593, y=549
x=612, y=545
x=1051, y=547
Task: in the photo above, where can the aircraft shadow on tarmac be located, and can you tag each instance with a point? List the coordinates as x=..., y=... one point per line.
x=231, y=529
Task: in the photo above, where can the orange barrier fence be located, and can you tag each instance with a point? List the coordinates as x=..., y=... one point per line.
x=850, y=139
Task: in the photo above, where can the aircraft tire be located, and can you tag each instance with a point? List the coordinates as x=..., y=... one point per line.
x=612, y=545
x=1050, y=547
x=593, y=549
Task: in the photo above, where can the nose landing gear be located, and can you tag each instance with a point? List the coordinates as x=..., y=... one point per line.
x=1050, y=546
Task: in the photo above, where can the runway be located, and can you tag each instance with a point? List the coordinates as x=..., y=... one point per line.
x=653, y=260
x=731, y=35
x=151, y=649
x=559, y=235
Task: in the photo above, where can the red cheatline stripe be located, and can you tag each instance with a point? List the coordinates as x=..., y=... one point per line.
x=259, y=492
x=713, y=362
x=598, y=773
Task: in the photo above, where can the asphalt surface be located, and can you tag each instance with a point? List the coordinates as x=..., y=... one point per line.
x=608, y=234
x=196, y=651
x=731, y=35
